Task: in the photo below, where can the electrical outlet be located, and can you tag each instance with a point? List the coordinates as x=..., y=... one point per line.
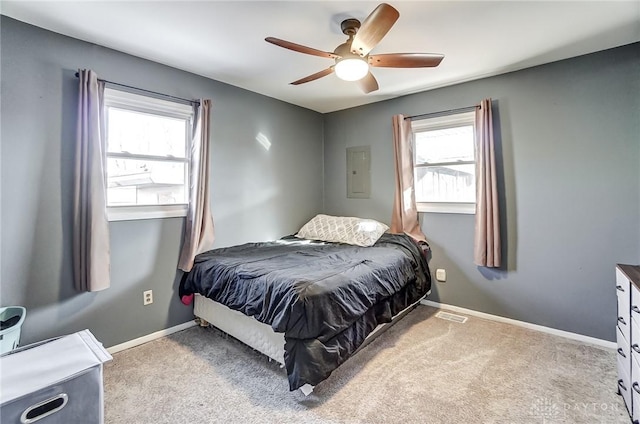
x=147, y=297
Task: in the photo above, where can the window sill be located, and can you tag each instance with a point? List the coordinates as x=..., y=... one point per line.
x=133, y=213
x=458, y=208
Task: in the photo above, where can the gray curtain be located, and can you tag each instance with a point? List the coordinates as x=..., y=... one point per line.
x=199, y=230
x=404, y=218
x=91, y=249
x=487, y=231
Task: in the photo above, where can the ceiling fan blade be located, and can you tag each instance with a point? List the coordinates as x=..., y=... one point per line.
x=406, y=60
x=300, y=48
x=368, y=83
x=374, y=28
x=315, y=76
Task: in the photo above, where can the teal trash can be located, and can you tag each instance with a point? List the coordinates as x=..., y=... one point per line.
x=11, y=319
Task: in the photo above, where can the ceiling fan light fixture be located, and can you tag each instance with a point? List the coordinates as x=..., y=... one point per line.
x=353, y=59
x=351, y=69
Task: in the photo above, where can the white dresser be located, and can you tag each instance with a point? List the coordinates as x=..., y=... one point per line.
x=628, y=337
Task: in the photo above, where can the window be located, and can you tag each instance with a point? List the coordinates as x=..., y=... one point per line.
x=444, y=163
x=148, y=145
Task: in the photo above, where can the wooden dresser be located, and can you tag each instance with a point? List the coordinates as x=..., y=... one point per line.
x=628, y=337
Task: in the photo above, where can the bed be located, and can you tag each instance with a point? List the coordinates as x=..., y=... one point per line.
x=307, y=303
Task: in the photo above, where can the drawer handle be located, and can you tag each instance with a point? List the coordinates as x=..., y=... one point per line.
x=635, y=309
x=620, y=319
x=621, y=352
x=636, y=347
x=45, y=408
x=636, y=387
x=620, y=288
x=621, y=384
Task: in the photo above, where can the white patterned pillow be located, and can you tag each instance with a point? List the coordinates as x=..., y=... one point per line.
x=343, y=229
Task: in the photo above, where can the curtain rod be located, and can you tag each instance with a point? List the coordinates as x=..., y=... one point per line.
x=146, y=91
x=444, y=112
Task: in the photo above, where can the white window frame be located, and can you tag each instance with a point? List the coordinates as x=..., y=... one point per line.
x=442, y=122
x=146, y=104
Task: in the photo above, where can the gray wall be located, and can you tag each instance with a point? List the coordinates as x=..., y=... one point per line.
x=256, y=194
x=568, y=138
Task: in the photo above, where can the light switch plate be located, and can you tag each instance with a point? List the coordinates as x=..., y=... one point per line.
x=441, y=275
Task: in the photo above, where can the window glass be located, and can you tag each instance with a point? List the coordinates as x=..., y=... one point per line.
x=444, y=164
x=447, y=183
x=445, y=145
x=145, y=182
x=143, y=133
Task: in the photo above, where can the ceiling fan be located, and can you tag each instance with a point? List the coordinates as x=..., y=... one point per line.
x=352, y=57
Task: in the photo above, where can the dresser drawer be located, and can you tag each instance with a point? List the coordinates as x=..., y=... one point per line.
x=623, y=353
x=625, y=327
x=635, y=303
x=623, y=291
x=635, y=395
x=635, y=389
x=635, y=339
x=624, y=386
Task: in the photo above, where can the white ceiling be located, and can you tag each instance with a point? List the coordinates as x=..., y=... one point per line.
x=224, y=40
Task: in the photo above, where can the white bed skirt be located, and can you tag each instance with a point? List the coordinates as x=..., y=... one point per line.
x=258, y=335
x=248, y=330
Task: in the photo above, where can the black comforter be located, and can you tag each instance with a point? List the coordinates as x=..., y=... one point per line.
x=325, y=297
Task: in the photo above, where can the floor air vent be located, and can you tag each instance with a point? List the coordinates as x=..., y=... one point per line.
x=451, y=317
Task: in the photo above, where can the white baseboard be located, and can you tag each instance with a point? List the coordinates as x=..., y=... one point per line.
x=536, y=327
x=150, y=337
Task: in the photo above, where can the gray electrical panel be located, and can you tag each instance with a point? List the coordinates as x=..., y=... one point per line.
x=359, y=172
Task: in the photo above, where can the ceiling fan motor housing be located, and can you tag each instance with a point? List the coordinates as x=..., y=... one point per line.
x=350, y=26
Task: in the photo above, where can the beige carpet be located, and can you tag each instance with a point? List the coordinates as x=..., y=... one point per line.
x=422, y=370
